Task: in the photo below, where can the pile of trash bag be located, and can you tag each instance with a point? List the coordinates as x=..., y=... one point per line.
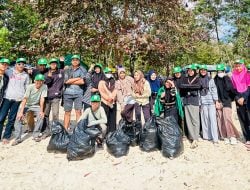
x=149, y=140
x=59, y=139
x=132, y=130
x=118, y=142
x=170, y=136
x=82, y=141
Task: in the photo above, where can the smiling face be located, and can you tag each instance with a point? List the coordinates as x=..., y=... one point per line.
x=20, y=66
x=190, y=72
x=203, y=72
x=177, y=75
x=3, y=67
x=137, y=76
x=122, y=75
x=153, y=76
x=95, y=106
x=238, y=67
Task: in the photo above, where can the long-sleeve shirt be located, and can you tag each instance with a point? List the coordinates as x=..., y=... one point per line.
x=100, y=115
x=144, y=98
x=211, y=95
x=106, y=93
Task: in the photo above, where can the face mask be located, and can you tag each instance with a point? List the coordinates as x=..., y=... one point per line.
x=221, y=75
x=108, y=75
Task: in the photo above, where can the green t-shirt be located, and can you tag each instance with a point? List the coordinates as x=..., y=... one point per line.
x=33, y=95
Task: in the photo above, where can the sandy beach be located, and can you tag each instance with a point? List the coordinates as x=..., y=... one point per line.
x=29, y=166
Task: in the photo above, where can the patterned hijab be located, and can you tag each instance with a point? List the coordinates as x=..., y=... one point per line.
x=139, y=85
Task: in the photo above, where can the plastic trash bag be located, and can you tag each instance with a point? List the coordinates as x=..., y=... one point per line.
x=170, y=136
x=82, y=141
x=132, y=130
x=59, y=139
x=118, y=142
x=149, y=140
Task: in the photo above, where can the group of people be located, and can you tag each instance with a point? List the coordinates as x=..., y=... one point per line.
x=200, y=104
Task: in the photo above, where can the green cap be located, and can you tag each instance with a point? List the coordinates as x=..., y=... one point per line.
x=239, y=61
x=196, y=65
x=107, y=70
x=248, y=66
x=4, y=60
x=193, y=67
x=76, y=57
x=203, y=67
x=177, y=70
x=42, y=61
x=220, y=67
x=53, y=60
x=98, y=65
x=95, y=98
x=39, y=77
x=23, y=60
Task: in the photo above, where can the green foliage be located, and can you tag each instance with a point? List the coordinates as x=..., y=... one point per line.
x=5, y=44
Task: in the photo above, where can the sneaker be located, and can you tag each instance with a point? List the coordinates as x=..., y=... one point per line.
x=226, y=141
x=37, y=139
x=233, y=141
x=194, y=144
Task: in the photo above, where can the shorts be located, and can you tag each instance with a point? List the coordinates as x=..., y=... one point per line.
x=70, y=100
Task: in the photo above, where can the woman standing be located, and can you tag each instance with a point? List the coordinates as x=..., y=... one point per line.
x=97, y=76
x=155, y=85
x=226, y=95
x=240, y=81
x=191, y=86
x=108, y=93
x=141, y=94
x=124, y=87
x=209, y=98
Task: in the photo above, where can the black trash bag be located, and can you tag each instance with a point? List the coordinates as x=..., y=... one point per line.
x=170, y=136
x=132, y=130
x=149, y=140
x=59, y=139
x=118, y=142
x=82, y=141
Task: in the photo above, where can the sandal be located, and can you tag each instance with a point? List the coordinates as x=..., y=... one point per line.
x=6, y=141
x=15, y=143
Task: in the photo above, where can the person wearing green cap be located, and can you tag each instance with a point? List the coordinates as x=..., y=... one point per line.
x=190, y=87
x=54, y=79
x=4, y=79
x=14, y=93
x=209, y=102
x=108, y=94
x=248, y=68
x=241, y=83
x=97, y=75
x=33, y=101
x=40, y=68
x=74, y=83
x=96, y=117
x=226, y=94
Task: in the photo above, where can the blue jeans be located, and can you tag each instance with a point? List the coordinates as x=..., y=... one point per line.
x=11, y=107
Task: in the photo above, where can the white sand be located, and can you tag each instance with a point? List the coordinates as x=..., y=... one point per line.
x=29, y=166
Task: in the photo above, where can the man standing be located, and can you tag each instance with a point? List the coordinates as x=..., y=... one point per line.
x=41, y=68
x=73, y=93
x=18, y=81
x=54, y=79
x=33, y=101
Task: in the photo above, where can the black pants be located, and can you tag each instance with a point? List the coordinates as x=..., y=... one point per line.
x=127, y=112
x=244, y=117
x=111, y=116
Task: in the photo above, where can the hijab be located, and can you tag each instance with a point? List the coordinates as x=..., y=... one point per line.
x=240, y=79
x=154, y=84
x=139, y=85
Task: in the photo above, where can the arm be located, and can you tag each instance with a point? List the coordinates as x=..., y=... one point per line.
x=213, y=89
x=42, y=102
x=105, y=94
x=22, y=106
x=79, y=81
x=146, y=92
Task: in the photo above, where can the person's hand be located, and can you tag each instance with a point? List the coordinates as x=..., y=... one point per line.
x=240, y=101
x=163, y=95
x=171, y=83
x=66, y=67
x=19, y=116
x=41, y=114
x=218, y=105
x=61, y=59
x=49, y=73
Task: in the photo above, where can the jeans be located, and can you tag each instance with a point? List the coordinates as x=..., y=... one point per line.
x=38, y=125
x=54, y=105
x=11, y=107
